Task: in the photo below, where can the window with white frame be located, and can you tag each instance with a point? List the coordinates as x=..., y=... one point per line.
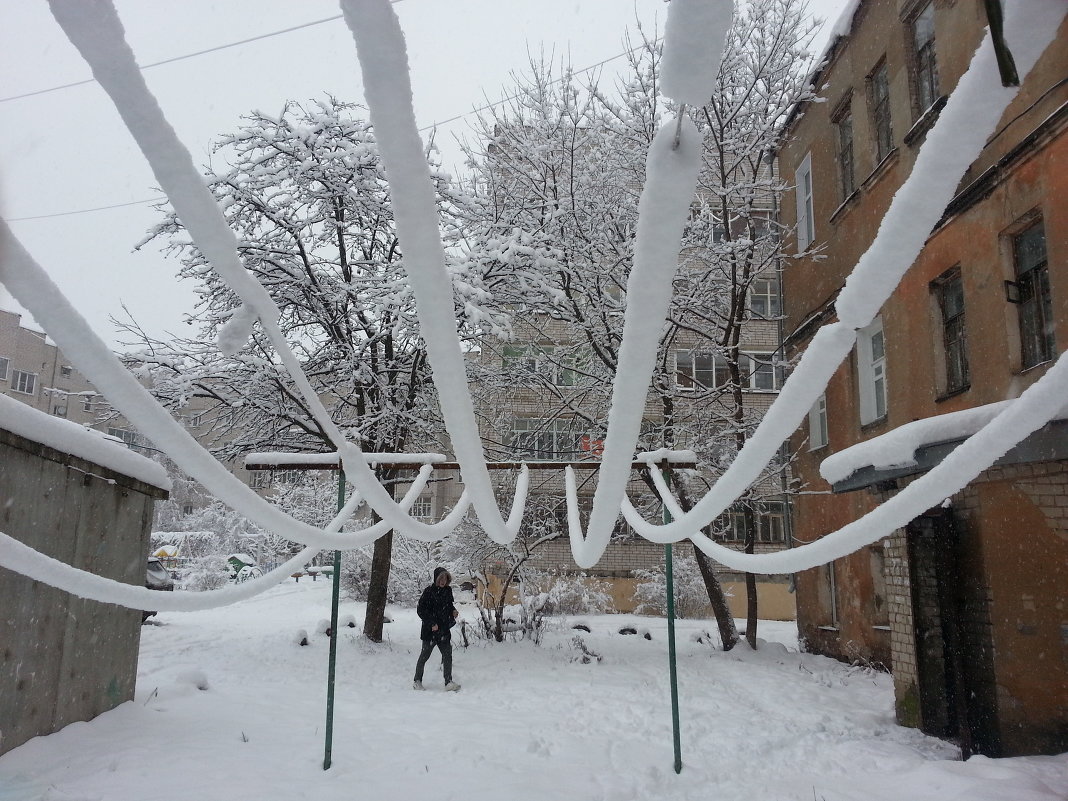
x=5, y=363
x=764, y=297
x=763, y=372
x=422, y=508
x=87, y=403
x=128, y=437
x=544, y=361
x=806, y=217
x=257, y=479
x=769, y=519
x=871, y=371
x=696, y=370
x=542, y=438
x=26, y=383
x=818, y=435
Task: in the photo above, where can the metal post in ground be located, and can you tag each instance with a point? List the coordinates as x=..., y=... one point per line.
x=333, y=632
x=676, y=737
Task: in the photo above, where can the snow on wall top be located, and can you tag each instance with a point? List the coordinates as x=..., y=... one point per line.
x=898, y=448
x=84, y=443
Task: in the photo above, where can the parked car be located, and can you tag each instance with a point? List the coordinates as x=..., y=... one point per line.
x=157, y=577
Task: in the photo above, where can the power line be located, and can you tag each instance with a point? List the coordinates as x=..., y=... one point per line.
x=425, y=128
x=184, y=57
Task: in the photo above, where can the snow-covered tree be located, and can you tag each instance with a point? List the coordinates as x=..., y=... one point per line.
x=558, y=172
x=307, y=196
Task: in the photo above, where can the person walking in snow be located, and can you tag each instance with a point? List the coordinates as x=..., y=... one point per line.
x=438, y=613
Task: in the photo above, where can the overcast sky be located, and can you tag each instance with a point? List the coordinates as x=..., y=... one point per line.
x=67, y=150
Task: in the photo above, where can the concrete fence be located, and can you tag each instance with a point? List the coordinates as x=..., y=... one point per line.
x=62, y=658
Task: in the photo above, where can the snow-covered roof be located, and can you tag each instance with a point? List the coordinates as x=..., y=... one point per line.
x=897, y=448
x=85, y=443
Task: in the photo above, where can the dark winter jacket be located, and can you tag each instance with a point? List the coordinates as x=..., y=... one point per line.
x=436, y=606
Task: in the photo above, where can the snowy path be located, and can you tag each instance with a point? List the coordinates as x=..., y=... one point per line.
x=528, y=724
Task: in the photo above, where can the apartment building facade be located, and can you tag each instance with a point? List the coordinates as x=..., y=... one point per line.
x=966, y=602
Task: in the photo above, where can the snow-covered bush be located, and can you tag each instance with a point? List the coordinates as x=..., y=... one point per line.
x=691, y=599
x=206, y=573
x=576, y=595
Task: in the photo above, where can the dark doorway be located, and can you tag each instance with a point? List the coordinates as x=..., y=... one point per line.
x=941, y=649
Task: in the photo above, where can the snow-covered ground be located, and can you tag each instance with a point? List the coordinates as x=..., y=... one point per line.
x=531, y=722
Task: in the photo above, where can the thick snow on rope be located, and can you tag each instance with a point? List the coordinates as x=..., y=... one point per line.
x=953, y=143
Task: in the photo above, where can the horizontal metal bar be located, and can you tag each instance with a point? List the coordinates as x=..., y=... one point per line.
x=588, y=465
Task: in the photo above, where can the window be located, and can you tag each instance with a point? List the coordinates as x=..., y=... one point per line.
x=540, y=438
x=829, y=593
x=764, y=374
x=1035, y=303
x=4, y=364
x=257, y=479
x=769, y=518
x=543, y=361
x=880, y=607
x=128, y=437
x=843, y=135
x=60, y=410
x=879, y=101
x=818, y=435
x=422, y=508
x=195, y=420
x=950, y=294
x=695, y=371
x=287, y=476
x=26, y=383
x=924, y=65
x=764, y=298
x=87, y=403
x=65, y=371
x=187, y=508
x=871, y=363
x=806, y=218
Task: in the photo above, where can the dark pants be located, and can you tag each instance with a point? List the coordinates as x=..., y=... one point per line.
x=445, y=646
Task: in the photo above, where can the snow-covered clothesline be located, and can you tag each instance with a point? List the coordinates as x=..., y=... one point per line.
x=952, y=144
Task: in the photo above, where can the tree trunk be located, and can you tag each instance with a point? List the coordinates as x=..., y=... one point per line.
x=750, y=580
x=378, y=584
x=728, y=632
x=376, y=587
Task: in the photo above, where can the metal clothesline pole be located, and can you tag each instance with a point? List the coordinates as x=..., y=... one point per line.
x=336, y=594
x=672, y=672
x=329, y=461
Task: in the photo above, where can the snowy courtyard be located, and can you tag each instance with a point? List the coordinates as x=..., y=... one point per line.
x=531, y=722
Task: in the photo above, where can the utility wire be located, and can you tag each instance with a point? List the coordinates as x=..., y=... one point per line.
x=158, y=198
x=182, y=58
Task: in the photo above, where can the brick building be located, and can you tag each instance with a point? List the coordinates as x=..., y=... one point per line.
x=967, y=602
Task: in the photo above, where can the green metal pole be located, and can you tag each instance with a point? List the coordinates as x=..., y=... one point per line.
x=671, y=644
x=333, y=633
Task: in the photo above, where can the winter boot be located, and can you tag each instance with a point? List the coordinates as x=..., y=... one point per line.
x=418, y=685
x=452, y=687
